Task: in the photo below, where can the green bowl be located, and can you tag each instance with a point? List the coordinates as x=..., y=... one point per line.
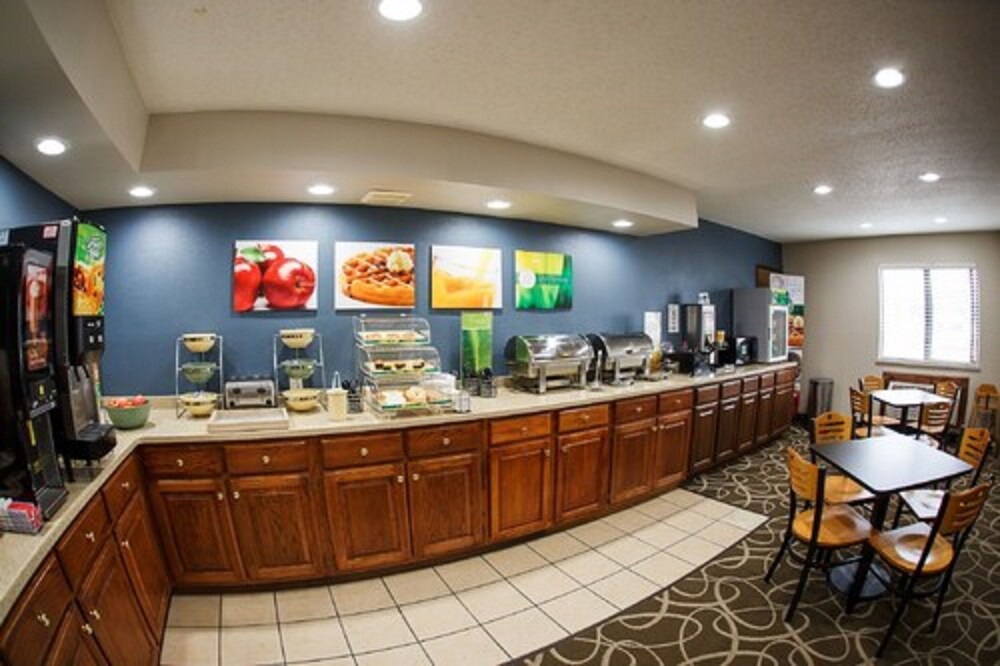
x=129, y=418
x=198, y=372
x=299, y=368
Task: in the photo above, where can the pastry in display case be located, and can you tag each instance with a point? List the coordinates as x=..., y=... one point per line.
x=391, y=331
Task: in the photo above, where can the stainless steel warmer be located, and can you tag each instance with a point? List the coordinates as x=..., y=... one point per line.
x=540, y=362
x=621, y=357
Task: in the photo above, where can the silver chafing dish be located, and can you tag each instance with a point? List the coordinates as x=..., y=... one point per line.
x=540, y=362
x=621, y=357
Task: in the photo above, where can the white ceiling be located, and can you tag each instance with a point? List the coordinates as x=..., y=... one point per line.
x=626, y=82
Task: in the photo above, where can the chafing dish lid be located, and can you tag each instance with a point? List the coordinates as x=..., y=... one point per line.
x=622, y=344
x=540, y=348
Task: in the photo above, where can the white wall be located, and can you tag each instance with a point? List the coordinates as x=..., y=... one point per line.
x=842, y=302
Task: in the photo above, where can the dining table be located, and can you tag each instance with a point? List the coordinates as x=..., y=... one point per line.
x=904, y=399
x=884, y=466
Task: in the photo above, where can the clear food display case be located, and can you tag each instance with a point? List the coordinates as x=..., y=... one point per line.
x=402, y=330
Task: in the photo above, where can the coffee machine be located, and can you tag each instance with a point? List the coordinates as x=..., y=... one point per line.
x=77, y=303
x=29, y=470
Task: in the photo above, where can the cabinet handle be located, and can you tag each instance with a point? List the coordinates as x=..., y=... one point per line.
x=400, y=479
x=548, y=453
x=220, y=496
x=96, y=614
x=586, y=418
x=266, y=460
x=236, y=494
x=364, y=451
x=655, y=428
x=126, y=544
x=445, y=441
x=87, y=629
x=415, y=476
x=565, y=449
x=638, y=410
x=91, y=537
x=524, y=429
x=43, y=620
x=126, y=485
x=180, y=462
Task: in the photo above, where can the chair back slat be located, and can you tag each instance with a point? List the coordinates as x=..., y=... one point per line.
x=960, y=508
x=936, y=415
x=975, y=444
x=832, y=427
x=803, y=476
x=987, y=397
x=870, y=383
x=859, y=402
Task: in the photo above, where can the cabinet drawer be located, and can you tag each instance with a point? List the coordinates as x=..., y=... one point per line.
x=443, y=439
x=676, y=401
x=83, y=540
x=521, y=427
x=767, y=380
x=786, y=376
x=584, y=417
x=185, y=461
x=707, y=394
x=33, y=623
x=732, y=388
x=750, y=384
x=121, y=486
x=635, y=409
x=362, y=449
x=290, y=456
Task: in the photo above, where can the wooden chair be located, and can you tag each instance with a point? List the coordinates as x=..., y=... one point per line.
x=870, y=383
x=829, y=428
x=924, y=503
x=860, y=415
x=823, y=528
x=934, y=421
x=985, y=406
x=920, y=551
x=953, y=430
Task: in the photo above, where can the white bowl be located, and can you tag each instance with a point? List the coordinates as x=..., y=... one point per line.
x=297, y=338
x=199, y=404
x=301, y=400
x=198, y=343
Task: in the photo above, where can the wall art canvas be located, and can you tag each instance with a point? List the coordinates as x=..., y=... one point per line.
x=374, y=275
x=275, y=275
x=543, y=280
x=467, y=278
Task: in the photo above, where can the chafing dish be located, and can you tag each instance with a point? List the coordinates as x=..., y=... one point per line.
x=621, y=357
x=540, y=362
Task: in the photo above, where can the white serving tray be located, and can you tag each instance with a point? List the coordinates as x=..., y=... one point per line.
x=244, y=420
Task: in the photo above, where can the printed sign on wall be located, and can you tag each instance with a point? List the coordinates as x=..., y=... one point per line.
x=543, y=280
x=374, y=275
x=466, y=277
x=274, y=275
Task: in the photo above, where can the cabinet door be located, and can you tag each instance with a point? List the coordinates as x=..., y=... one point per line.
x=111, y=609
x=368, y=518
x=673, y=445
x=748, y=422
x=765, y=413
x=446, y=506
x=703, y=436
x=197, y=531
x=632, y=460
x=782, y=409
x=74, y=644
x=520, y=488
x=581, y=473
x=143, y=558
x=274, y=517
x=728, y=429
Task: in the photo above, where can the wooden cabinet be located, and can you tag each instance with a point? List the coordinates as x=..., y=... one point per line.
x=673, y=443
x=143, y=559
x=197, y=530
x=632, y=458
x=747, y=432
x=703, y=431
x=581, y=472
x=74, y=644
x=83, y=540
x=32, y=624
x=765, y=413
x=369, y=523
x=727, y=430
x=446, y=508
x=520, y=487
x=783, y=407
x=111, y=610
x=273, y=516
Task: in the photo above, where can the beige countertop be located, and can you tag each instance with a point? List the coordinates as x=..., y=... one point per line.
x=21, y=555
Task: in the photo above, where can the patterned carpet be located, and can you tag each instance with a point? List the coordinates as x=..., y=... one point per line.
x=725, y=613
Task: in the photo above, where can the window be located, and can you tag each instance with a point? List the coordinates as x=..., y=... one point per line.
x=929, y=315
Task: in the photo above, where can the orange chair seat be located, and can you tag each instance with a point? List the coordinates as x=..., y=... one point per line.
x=924, y=504
x=881, y=420
x=901, y=548
x=842, y=490
x=841, y=526
x=877, y=431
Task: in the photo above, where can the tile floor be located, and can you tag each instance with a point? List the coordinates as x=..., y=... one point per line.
x=481, y=610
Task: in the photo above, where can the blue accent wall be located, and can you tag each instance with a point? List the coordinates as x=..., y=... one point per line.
x=24, y=202
x=169, y=272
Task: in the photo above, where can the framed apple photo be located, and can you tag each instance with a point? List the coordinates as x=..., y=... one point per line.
x=375, y=275
x=275, y=276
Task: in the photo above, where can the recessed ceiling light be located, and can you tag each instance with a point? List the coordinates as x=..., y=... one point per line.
x=400, y=10
x=715, y=120
x=142, y=191
x=940, y=220
x=321, y=189
x=498, y=204
x=623, y=224
x=865, y=225
x=889, y=77
x=51, y=145
x=929, y=177
x=822, y=190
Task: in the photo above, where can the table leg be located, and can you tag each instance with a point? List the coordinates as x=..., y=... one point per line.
x=871, y=413
x=920, y=419
x=904, y=423
x=861, y=575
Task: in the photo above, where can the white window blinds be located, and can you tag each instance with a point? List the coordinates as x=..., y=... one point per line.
x=929, y=315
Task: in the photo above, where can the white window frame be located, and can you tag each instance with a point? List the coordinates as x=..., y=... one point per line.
x=926, y=362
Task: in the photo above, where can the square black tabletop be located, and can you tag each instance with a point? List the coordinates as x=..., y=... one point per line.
x=891, y=463
x=907, y=397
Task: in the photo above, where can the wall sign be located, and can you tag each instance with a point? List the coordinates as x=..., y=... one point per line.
x=466, y=277
x=275, y=275
x=543, y=280
x=375, y=275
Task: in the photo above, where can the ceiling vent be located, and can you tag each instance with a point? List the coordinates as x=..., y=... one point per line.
x=386, y=197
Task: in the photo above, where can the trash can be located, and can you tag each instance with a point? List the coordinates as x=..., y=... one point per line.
x=820, y=396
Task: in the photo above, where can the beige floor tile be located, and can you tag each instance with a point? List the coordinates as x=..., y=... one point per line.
x=524, y=632
x=722, y=533
x=308, y=603
x=242, y=646
x=378, y=630
x=558, y=546
x=457, y=649
x=683, y=498
x=624, y=589
x=629, y=520
x=194, y=610
x=361, y=596
x=413, y=586
x=240, y=610
x=658, y=509
x=690, y=521
x=587, y=567
x=748, y=520
x=713, y=508
x=467, y=573
x=627, y=550
x=436, y=617
x=190, y=646
x=660, y=535
x=663, y=569
x=494, y=600
x=578, y=610
x=596, y=533
x=339, y=661
x=543, y=584
x=512, y=561
x=406, y=655
x=313, y=639
x=695, y=550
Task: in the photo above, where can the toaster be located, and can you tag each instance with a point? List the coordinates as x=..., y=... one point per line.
x=250, y=392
